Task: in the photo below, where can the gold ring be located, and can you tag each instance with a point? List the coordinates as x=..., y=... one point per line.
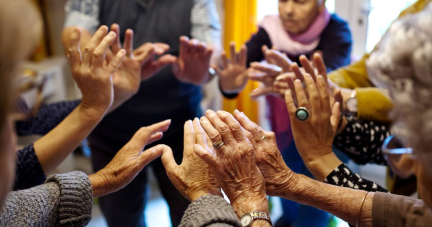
x=218, y=145
x=263, y=137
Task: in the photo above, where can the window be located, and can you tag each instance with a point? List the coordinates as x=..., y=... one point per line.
x=382, y=13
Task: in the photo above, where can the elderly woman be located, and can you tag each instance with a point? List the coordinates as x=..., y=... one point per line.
x=233, y=147
x=65, y=199
x=301, y=29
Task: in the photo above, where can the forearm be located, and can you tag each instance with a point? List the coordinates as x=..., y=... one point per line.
x=54, y=147
x=342, y=202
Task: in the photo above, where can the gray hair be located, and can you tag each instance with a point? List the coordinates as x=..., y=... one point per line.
x=403, y=64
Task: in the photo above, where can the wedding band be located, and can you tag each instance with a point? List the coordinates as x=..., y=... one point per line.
x=218, y=145
x=302, y=114
x=263, y=137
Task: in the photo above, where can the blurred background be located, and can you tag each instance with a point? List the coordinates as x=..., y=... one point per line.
x=368, y=20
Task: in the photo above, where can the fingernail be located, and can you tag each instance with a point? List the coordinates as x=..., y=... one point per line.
x=236, y=111
x=210, y=112
x=111, y=34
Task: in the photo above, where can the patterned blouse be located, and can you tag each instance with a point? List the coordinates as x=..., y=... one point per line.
x=362, y=141
x=29, y=172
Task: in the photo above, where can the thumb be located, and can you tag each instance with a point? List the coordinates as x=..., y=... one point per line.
x=335, y=117
x=204, y=155
x=151, y=154
x=168, y=158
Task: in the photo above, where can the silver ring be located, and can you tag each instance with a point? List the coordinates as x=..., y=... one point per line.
x=218, y=145
x=304, y=85
x=263, y=137
x=302, y=114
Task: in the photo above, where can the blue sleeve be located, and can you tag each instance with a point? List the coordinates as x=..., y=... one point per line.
x=255, y=44
x=48, y=117
x=336, y=44
x=29, y=172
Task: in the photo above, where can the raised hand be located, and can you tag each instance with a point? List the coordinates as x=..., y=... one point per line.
x=130, y=160
x=136, y=67
x=269, y=160
x=314, y=127
x=193, y=178
x=193, y=62
x=93, y=77
x=233, y=162
x=233, y=76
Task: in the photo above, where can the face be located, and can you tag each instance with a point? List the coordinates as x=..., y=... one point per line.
x=7, y=160
x=298, y=15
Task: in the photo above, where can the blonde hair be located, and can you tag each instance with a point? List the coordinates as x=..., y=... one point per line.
x=403, y=64
x=21, y=28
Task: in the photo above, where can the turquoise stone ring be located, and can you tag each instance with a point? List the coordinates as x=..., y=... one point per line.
x=302, y=114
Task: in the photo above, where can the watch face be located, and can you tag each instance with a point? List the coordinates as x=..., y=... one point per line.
x=352, y=105
x=246, y=220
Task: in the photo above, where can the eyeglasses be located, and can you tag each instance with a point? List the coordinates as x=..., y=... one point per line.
x=396, y=156
x=30, y=89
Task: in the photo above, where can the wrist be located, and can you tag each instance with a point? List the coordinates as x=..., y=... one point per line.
x=321, y=167
x=99, y=185
x=198, y=194
x=249, y=203
x=91, y=113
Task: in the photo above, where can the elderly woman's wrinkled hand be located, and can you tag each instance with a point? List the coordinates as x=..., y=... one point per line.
x=233, y=162
x=130, y=160
x=88, y=70
x=277, y=175
x=193, y=178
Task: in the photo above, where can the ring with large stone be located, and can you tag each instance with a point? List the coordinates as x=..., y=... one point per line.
x=218, y=145
x=302, y=114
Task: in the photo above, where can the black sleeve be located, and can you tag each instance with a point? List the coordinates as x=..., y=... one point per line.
x=254, y=54
x=29, y=172
x=47, y=118
x=362, y=141
x=342, y=176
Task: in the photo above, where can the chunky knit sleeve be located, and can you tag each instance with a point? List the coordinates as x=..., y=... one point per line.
x=29, y=172
x=210, y=210
x=47, y=118
x=64, y=200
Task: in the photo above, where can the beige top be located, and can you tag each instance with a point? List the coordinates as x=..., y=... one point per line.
x=398, y=211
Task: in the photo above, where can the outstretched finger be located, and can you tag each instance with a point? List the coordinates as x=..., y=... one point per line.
x=168, y=159
x=308, y=67
x=336, y=116
x=101, y=51
x=116, y=46
x=74, y=50
x=116, y=62
x=249, y=126
x=289, y=101
x=189, y=136
x=128, y=42
x=243, y=56
x=205, y=155
x=319, y=64
x=296, y=69
x=325, y=97
x=222, y=128
x=93, y=43
x=233, y=53
x=151, y=154
x=314, y=95
x=233, y=125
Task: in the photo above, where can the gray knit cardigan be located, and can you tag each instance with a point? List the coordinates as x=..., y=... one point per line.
x=211, y=211
x=64, y=200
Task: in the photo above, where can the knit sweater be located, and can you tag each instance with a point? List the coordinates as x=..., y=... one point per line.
x=210, y=210
x=64, y=200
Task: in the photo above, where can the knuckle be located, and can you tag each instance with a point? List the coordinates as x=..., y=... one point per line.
x=88, y=50
x=224, y=128
x=97, y=54
x=234, y=126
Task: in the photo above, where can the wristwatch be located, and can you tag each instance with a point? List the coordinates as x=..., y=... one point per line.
x=248, y=218
x=352, y=105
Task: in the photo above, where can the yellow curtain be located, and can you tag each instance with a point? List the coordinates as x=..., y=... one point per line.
x=240, y=24
x=41, y=51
